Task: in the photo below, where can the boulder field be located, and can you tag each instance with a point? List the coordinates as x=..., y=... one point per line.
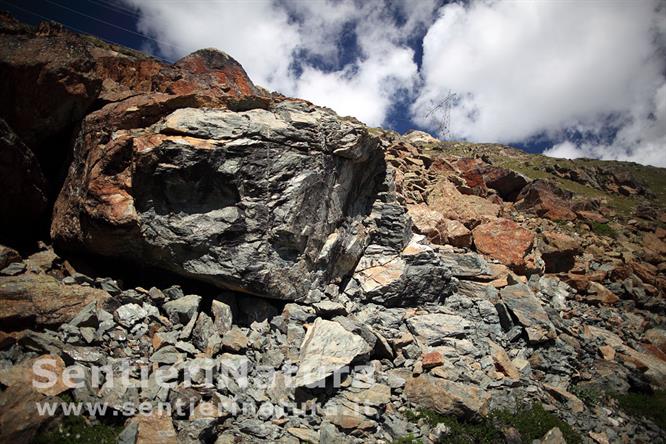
x=301, y=277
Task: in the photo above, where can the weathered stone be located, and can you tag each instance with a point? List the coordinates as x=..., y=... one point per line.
x=434, y=329
x=558, y=251
x=597, y=293
x=182, y=310
x=24, y=374
x=432, y=359
x=575, y=404
x=129, y=314
x=546, y=200
x=304, y=435
x=377, y=395
x=327, y=348
x=502, y=361
x=446, y=397
x=154, y=429
x=507, y=183
x=235, y=340
x=222, y=316
x=8, y=256
x=452, y=204
x=19, y=418
x=43, y=300
x=414, y=275
x=529, y=312
x=553, y=436
x=437, y=228
x=505, y=241
x=657, y=337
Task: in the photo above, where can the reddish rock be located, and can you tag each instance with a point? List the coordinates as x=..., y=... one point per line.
x=592, y=216
x=597, y=293
x=507, y=183
x=437, y=229
x=582, y=281
x=505, y=241
x=39, y=299
x=558, y=251
x=452, y=204
x=432, y=359
x=645, y=271
x=546, y=200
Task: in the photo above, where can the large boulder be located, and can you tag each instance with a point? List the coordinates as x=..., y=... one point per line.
x=259, y=201
x=447, y=397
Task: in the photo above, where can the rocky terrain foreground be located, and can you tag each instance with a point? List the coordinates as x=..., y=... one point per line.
x=300, y=277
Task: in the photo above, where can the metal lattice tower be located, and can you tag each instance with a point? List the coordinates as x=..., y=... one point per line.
x=445, y=105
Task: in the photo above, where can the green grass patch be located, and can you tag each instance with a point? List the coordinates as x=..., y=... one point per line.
x=588, y=395
x=532, y=422
x=603, y=229
x=76, y=430
x=652, y=406
x=408, y=439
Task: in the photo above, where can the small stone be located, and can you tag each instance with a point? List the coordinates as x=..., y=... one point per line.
x=432, y=359
x=597, y=293
x=181, y=311
x=553, y=436
x=166, y=355
x=607, y=352
x=235, y=340
x=14, y=269
x=129, y=314
x=326, y=348
x=222, y=316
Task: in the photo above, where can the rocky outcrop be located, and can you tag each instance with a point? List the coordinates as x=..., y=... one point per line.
x=51, y=78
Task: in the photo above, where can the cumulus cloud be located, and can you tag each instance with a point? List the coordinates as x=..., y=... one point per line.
x=295, y=47
x=549, y=69
x=588, y=76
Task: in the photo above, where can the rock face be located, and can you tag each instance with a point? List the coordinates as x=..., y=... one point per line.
x=257, y=201
x=24, y=200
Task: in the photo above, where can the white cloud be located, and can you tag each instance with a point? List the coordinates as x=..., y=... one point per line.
x=268, y=38
x=521, y=69
x=524, y=69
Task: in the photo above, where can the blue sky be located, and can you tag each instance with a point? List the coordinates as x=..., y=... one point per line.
x=571, y=78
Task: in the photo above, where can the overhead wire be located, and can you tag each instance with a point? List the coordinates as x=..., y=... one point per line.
x=112, y=24
x=79, y=30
